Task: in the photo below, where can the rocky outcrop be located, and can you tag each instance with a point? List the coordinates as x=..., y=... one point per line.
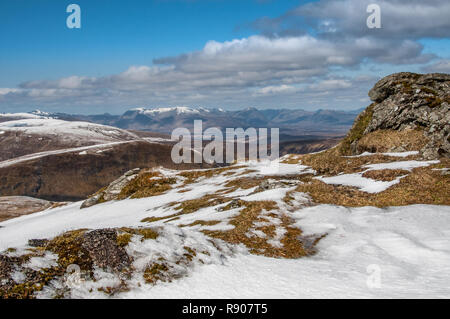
x=112, y=191
x=104, y=250
x=408, y=101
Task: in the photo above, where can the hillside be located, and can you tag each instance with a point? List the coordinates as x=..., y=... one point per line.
x=314, y=225
x=59, y=160
x=26, y=136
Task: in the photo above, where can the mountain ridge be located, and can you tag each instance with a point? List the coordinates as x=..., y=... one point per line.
x=165, y=119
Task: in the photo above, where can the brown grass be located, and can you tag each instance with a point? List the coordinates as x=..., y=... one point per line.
x=244, y=183
x=330, y=162
x=203, y=223
x=385, y=175
x=422, y=186
x=192, y=176
x=292, y=247
x=385, y=140
x=190, y=206
x=145, y=233
x=147, y=184
x=357, y=131
x=193, y=205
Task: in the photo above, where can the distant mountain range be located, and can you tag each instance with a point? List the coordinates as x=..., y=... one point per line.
x=164, y=120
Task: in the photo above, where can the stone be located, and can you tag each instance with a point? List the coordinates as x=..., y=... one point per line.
x=104, y=250
x=113, y=190
x=409, y=100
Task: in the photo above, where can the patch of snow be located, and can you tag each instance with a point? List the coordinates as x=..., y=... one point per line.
x=356, y=180
x=276, y=168
x=401, y=154
x=82, y=153
x=21, y=116
x=18, y=276
x=271, y=194
x=68, y=129
x=157, y=139
x=38, y=263
x=409, y=245
x=404, y=165
x=177, y=110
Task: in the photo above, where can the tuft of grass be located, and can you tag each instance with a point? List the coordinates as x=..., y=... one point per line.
x=202, y=223
x=155, y=272
x=193, y=205
x=244, y=183
x=433, y=101
x=123, y=239
x=68, y=247
x=357, y=130
x=147, y=184
x=292, y=247
x=385, y=140
x=385, y=175
x=192, y=176
x=146, y=233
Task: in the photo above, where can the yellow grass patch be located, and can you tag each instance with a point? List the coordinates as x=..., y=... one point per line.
x=147, y=184
x=385, y=175
x=421, y=186
x=381, y=141
x=292, y=247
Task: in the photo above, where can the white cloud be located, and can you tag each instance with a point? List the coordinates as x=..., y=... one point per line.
x=276, y=89
x=441, y=66
x=266, y=69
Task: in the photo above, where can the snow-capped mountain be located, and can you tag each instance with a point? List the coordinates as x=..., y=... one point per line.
x=294, y=122
x=165, y=119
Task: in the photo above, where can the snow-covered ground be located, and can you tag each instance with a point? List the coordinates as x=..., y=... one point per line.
x=401, y=252
x=95, y=133
x=368, y=252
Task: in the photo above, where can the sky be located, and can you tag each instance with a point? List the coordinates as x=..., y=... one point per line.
x=230, y=54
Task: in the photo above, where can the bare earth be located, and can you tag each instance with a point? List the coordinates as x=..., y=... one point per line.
x=15, y=206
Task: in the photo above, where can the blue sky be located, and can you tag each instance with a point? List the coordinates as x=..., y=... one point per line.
x=115, y=33
x=213, y=53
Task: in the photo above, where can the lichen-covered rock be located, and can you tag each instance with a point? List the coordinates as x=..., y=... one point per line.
x=112, y=191
x=406, y=101
x=104, y=250
x=38, y=242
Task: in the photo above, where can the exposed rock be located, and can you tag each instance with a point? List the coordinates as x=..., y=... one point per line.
x=38, y=242
x=6, y=265
x=112, y=191
x=104, y=250
x=407, y=101
x=270, y=183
